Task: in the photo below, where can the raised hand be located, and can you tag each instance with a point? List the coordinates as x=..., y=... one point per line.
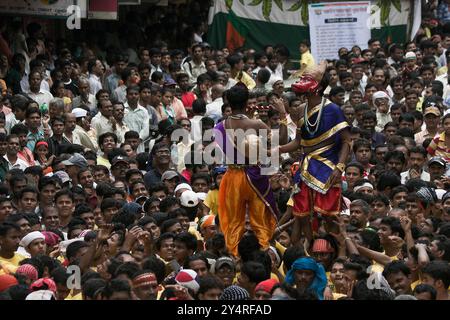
x=406, y=223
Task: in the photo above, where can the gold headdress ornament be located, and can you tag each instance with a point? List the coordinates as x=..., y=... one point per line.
x=316, y=71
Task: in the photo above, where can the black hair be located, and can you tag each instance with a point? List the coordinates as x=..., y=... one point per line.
x=19, y=129
x=438, y=270
x=199, y=106
x=116, y=285
x=396, y=267
x=18, y=292
x=237, y=97
x=195, y=257
x=188, y=239
x=361, y=291
x=255, y=271
x=108, y=203
x=398, y=155
x=408, y=117
x=209, y=282
x=28, y=189
x=249, y=243
x=74, y=247
x=91, y=287
x=423, y=288
x=168, y=202
x=156, y=265
x=64, y=192
x=359, y=143
x=60, y=276
x=162, y=237
x=394, y=224
x=291, y=254
x=127, y=268
x=371, y=239
x=5, y=227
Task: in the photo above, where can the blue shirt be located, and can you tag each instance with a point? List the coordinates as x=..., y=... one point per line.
x=32, y=138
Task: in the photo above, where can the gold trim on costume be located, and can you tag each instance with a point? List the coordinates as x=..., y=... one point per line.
x=324, y=136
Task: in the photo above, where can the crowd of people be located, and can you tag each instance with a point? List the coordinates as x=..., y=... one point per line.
x=100, y=201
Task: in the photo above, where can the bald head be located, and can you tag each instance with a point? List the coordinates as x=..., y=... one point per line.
x=217, y=91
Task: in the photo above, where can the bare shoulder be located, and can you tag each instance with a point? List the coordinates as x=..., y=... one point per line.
x=257, y=124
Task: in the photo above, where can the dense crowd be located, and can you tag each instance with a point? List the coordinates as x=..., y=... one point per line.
x=98, y=200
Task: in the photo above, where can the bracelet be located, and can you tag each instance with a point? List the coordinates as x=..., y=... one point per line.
x=348, y=238
x=340, y=167
x=284, y=122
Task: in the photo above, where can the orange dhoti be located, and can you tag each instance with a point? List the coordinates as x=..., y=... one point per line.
x=236, y=196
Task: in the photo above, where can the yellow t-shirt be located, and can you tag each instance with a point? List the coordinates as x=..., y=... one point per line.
x=10, y=266
x=306, y=60
x=246, y=79
x=212, y=201
x=78, y=296
x=104, y=162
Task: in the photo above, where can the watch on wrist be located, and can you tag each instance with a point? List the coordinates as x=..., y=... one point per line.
x=340, y=167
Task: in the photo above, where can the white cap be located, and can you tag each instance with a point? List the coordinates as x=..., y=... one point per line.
x=41, y=295
x=79, y=112
x=29, y=238
x=410, y=56
x=189, y=199
x=273, y=80
x=182, y=186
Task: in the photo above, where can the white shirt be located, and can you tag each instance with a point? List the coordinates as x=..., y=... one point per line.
x=193, y=70
x=75, y=138
x=444, y=79
x=10, y=121
x=43, y=96
x=425, y=176
x=101, y=124
x=94, y=84
x=214, y=109
x=25, y=85
x=138, y=120
x=19, y=164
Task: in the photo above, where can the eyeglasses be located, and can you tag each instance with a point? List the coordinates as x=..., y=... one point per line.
x=163, y=152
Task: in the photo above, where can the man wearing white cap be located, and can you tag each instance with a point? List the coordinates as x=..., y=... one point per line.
x=410, y=64
x=80, y=129
x=34, y=243
x=179, y=189
x=382, y=102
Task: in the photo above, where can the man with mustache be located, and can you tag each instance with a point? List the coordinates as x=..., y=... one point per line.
x=417, y=159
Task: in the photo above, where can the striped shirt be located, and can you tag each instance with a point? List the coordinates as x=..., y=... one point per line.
x=438, y=147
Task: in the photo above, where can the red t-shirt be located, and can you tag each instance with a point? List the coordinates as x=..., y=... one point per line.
x=188, y=98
